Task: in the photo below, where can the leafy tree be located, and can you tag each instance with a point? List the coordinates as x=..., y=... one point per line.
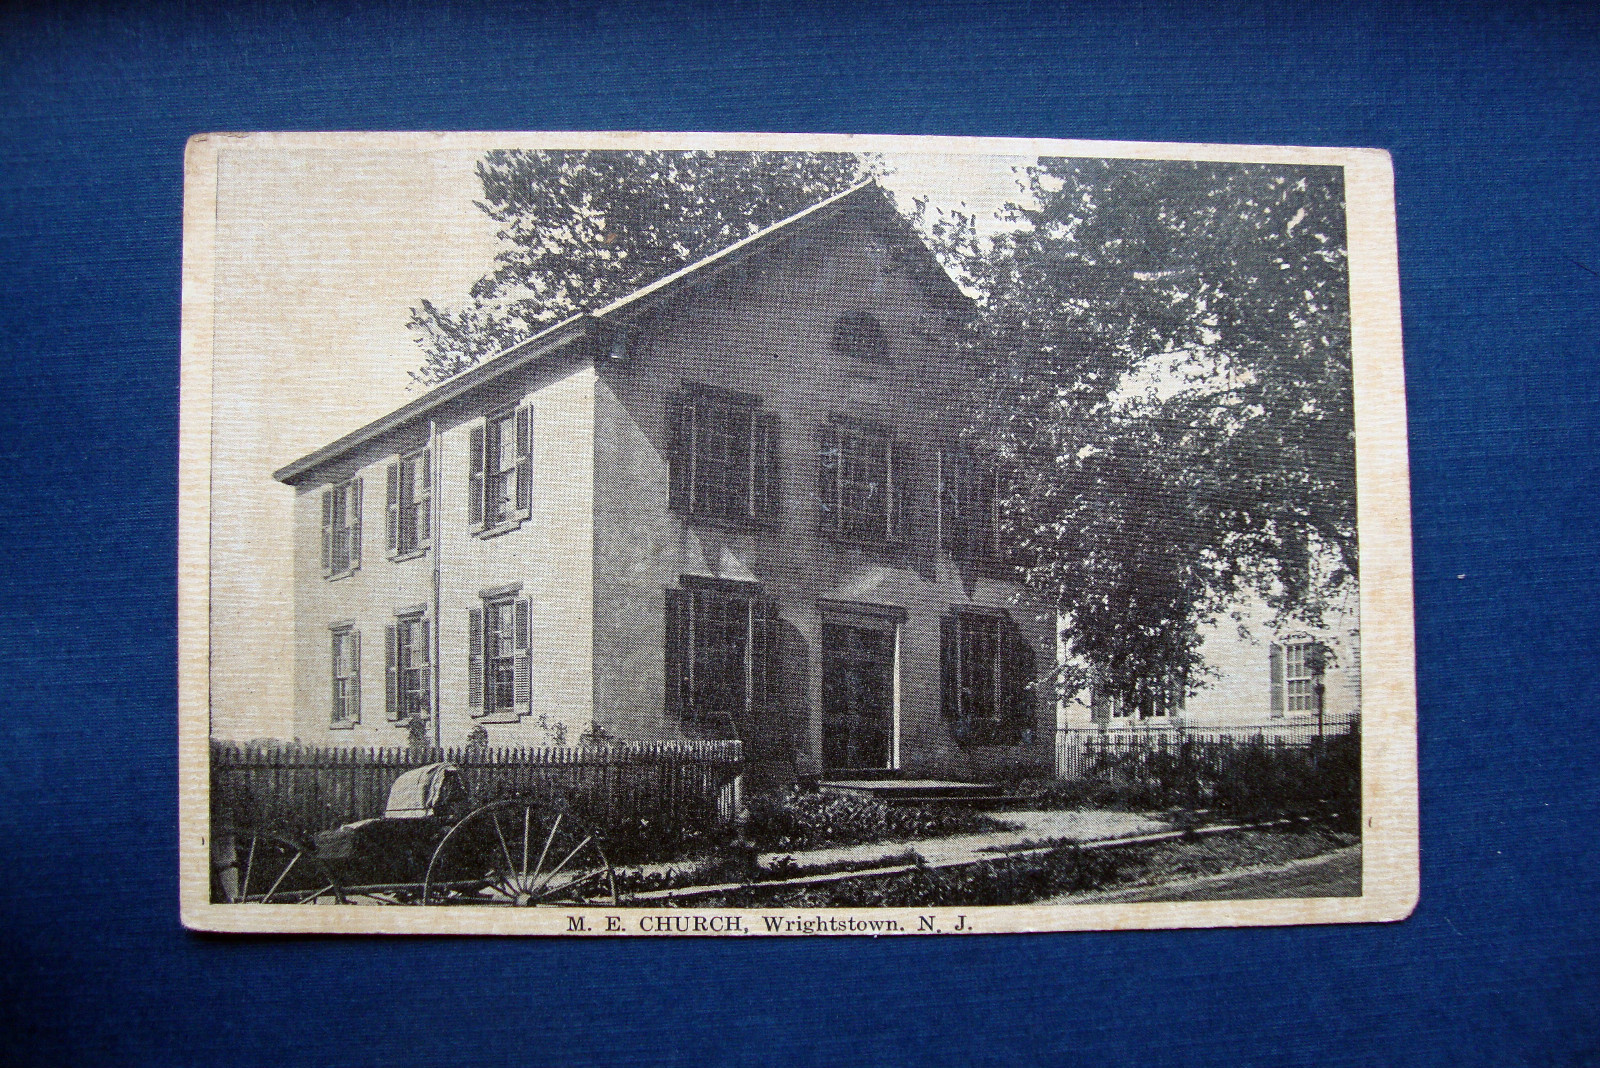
x=1167, y=354
x=580, y=228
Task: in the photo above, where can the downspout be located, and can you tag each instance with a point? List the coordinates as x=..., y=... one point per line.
x=438, y=547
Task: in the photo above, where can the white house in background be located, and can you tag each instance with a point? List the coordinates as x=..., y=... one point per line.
x=1259, y=675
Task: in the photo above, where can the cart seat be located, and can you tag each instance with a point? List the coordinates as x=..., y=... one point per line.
x=421, y=792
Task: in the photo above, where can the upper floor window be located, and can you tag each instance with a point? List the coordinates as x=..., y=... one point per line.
x=987, y=679
x=346, y=676
x=722, y=652
x=722, y=456
x=859, y=335
x=860, y=472
x=969, y=518
x=410, y=484
x=500, y=486
x=499, y=658
x=341, y=528
x=408, y=668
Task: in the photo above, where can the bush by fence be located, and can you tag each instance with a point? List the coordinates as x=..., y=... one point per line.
x=659, y=792
x=1247, y=771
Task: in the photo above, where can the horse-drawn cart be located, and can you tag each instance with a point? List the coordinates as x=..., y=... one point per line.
x=430, y=847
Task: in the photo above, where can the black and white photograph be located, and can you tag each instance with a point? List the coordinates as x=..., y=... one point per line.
x=690, y=534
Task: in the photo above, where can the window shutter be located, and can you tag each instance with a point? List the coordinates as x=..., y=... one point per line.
x=333, y=677
x=523, y=664
x=391, y=508
x=1275, y=669
x=425, y=675
x=1021, y=701
x=765, y=487
x=475, y=660
x=950, y=666
x=327, y=531
x=766, y=655
x=524, y=459
x=425, y=497
x=475, y=476
x=678, y=637
x=946, y=505
x=680, y=454
x=391, y=672
x=895, y=467
x=354, y=709
x=991, y=515
x=1099, y=707
x=828, y=478
x=353, y=518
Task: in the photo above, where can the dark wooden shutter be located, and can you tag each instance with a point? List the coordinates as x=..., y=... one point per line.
x=766, y=491
x=896, y=466
x=475, y=476
x=1275, y=670
x=678, y=653
x=945, y=490
x=353, y=520
x=828, y=463
x=1022, y=703
x=391, y=508
x=425, y=674
x=766, y=655
x=475, y=660
x=333, y=677
x=391, y=671
x=680, y=454
x=524, y=459
x=353, y=710
x=523, y=664
x=424, y=478
x=327, y=531
x=950, y=666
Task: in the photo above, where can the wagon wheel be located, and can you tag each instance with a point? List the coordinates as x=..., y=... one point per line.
x=265, y=869
x=519, y=853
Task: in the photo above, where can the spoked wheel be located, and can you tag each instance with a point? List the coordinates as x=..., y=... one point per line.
x=265, y=869
x=519, y=853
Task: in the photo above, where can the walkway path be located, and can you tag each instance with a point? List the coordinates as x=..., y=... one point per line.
x=1336, y=874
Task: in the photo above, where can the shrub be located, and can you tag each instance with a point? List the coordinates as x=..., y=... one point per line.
x=811, y=820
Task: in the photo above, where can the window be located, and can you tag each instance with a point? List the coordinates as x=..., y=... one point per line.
x=341, y=528
x=346, y=676
x=859, y=335
x=859, y=482
x=499, y=661
x=1151, y=702
x=987, y=676
x=722, y=456
x=410, y=484
x=500, y=484
x=408, y=668
x=1295, y=667
x=722, y=652
x=969, y=520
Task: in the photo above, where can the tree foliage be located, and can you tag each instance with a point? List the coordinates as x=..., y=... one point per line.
x=1167, y=354
x=581, y=228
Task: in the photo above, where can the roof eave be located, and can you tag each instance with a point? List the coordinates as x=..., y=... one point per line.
x=523, y=352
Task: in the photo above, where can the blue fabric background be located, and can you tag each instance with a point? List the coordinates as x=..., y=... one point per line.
x=1492, y=114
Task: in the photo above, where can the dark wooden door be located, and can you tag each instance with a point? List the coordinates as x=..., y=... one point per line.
x=857, y=696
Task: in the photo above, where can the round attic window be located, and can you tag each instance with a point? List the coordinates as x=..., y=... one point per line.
x=859, y=334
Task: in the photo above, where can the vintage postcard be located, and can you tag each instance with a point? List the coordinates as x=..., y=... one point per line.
x=621, y=534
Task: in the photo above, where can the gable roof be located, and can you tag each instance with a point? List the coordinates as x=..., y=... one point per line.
x=866, y=197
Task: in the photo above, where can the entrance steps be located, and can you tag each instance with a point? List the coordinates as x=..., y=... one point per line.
x=888, y=787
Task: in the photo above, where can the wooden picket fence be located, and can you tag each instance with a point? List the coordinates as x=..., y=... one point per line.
x=1130, y=753
x=302, y=789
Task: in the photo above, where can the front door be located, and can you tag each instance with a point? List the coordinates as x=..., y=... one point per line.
x=857, y=696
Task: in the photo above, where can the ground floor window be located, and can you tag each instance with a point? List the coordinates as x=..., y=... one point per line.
x=1148, y=702
x=346, y=676
x=408, y=669
x=721, y=653
x=499, y=661
x=1296, y=667
x=987, y=675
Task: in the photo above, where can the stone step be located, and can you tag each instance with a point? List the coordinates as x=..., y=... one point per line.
x=911, y=790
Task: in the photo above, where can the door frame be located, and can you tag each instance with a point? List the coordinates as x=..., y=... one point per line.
x=868, y=616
